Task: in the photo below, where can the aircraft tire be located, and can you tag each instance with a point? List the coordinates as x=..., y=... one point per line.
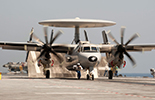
x=47, y=74
x=88, y=77
x=110, y=74
x=92, y=77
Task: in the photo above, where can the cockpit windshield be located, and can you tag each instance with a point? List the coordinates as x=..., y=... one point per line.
x=86, y=49
x=90, y=49
x=94, y=49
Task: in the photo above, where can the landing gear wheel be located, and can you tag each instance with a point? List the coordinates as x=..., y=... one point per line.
x=92, y=77
x=88, y=77
x=110, y=74
x=47, y=74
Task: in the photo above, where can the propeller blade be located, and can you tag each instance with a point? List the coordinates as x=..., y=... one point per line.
x=57, y=56
x=122, y=34
x=41, y=54
x=112, y=38
x=27, y=56
x=131, y=59
x=51, y=37
x=56, y=36
x=37, y=39
x=132, y=38
x=86, y=37
x=105, y=39
x=45, y=34
x=31, y=34
x=73, y=41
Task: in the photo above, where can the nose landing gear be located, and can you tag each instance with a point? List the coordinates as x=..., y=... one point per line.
x=90, y=77
x=90, y=73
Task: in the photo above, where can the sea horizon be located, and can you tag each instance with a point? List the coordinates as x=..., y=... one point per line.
x=136, y=74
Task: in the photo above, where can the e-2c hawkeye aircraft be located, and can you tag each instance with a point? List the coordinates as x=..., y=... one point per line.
x=88, y=55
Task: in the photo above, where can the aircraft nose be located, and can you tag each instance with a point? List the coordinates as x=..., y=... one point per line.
x=92, y=59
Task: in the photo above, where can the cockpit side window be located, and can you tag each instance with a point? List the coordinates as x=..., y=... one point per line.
x=89, y=49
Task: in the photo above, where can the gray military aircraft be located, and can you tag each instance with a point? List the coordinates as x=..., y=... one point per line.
x=88, y=55
x=16, y=66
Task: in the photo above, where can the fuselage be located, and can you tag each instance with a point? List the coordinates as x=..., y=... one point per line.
x=89, y=59
x=88, y=55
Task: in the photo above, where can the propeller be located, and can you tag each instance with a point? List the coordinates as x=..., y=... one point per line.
x=121, y=47
x=30, y=40
x=47, y=46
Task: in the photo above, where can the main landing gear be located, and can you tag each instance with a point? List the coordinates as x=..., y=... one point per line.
x=47, y=73
x=46, y=70
x=110, y=74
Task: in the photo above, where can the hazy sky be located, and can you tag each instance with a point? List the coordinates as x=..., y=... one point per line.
x=17, y=17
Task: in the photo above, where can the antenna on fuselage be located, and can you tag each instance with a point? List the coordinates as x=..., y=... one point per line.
x=86, y=37
x=104, y=35
x=77, y=35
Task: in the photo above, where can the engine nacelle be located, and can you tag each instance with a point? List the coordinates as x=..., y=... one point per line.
x=119, y=63
x=43, y=61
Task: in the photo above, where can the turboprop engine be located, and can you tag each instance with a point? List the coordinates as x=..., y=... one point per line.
x=117, y=54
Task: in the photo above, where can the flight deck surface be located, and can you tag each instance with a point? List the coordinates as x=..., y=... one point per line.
x=19, y=87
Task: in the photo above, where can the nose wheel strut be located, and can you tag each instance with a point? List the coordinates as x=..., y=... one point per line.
x=88, y=77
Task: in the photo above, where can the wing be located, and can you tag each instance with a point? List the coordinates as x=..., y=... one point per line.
x=63, y=48
x=105, y=47
x=21, y=46
x=131, y=47
x=60, y=48
x=140, y=47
